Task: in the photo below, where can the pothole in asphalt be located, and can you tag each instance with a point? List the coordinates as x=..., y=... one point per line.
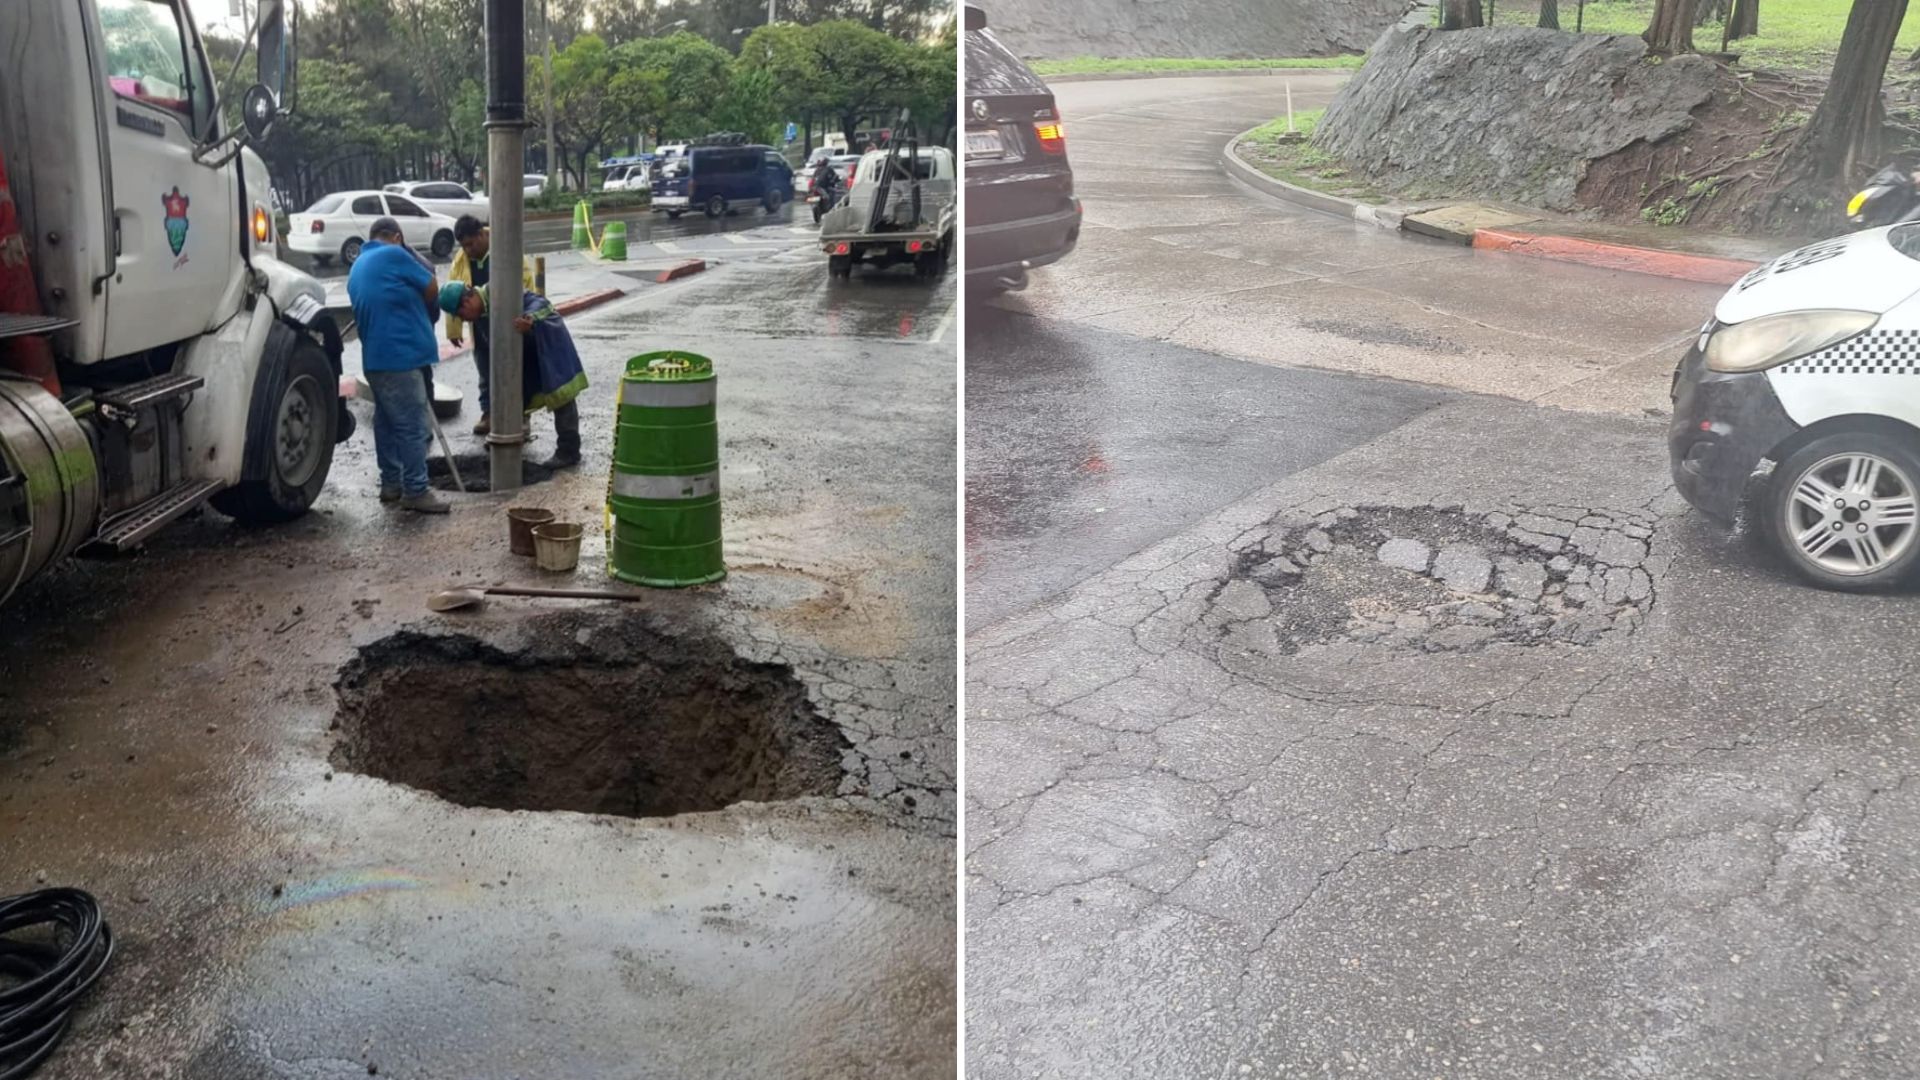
x=600, y=718
x=477, y=471
x=1436, y=580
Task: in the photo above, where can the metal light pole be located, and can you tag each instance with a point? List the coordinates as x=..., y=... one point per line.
x=506, y=142
x=546, y=61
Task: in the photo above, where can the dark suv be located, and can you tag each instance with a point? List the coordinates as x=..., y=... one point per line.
x=1021, y=211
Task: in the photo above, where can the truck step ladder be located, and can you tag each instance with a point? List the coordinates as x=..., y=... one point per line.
x=150, y=391
x=126, y=530
x=14, y=325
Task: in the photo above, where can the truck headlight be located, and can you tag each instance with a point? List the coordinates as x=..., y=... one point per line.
x=1762, y=343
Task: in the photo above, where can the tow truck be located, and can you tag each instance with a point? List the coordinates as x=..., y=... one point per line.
x=899, y=208
x=155, y=354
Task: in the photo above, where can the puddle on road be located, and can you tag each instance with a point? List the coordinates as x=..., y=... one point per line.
x=476, y=471
x=601, y=718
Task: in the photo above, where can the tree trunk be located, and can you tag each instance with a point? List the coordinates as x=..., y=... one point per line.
x=848, y=124
x=1708, y=11
x=1549, y=14
x=1671, y=31
x=1461, y=15
x=1744, y=21
x=1845, y=128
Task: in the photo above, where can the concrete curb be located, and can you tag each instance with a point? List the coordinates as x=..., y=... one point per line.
x=685, y=269
x=1387, y=217
x=1708, y=269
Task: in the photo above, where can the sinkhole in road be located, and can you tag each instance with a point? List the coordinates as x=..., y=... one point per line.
x=477, y=472
x=609, y=717
x=1436, y=579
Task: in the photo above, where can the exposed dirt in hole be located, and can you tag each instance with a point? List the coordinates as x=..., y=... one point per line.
x=477, y=471
x=603, y=718
x=1436, y=580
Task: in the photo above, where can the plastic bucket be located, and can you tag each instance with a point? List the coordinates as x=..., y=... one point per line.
x=556, y=545
x=520, y=523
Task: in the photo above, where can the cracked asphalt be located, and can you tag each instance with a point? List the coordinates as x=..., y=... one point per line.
x=1404, y=728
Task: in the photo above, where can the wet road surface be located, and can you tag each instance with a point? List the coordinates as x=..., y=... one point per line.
x=1404, y=722
x=168, y=741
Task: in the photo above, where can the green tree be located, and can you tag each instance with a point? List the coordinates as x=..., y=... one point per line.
x=447, y=40
x=840, y=69
x=340, y=117
x=588, y=105
x=750, y=105
x=683, y=78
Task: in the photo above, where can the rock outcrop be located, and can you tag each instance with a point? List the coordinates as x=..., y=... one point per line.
x=1512, y=113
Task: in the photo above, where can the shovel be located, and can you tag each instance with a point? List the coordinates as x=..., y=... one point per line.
x=471, y=595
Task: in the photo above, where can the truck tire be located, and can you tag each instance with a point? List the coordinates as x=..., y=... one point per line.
x=442, y=244
x=716, y=207
x=840, y=266
x=290, y=433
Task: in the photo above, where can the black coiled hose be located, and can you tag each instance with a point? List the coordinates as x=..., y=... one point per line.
x=43, y=976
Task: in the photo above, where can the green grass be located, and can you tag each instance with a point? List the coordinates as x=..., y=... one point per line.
x=1268, y=134
x=1300, y=163
x=1795, y=35
x=1097, y=65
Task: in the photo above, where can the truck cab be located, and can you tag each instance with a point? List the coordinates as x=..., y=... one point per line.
x=155, y=355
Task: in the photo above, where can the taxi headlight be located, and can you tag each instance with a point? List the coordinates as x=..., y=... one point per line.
x=1775, y=339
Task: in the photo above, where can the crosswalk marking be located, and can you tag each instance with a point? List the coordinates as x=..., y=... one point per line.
x=668, y=246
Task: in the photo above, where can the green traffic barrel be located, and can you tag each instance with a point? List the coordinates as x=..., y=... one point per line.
x=664, y=497
x=613, y=242
x=582, y=235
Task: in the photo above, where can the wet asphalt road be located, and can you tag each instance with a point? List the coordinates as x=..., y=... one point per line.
x=1085, y=445
x=166, y=726
x=1565, y=782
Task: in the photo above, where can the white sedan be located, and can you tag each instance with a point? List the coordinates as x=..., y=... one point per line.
x=336, y=226
x=444, y=197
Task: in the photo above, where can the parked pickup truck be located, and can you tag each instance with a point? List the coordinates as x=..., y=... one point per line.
x=899, y=209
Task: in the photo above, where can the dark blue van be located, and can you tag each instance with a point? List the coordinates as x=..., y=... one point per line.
x=719, y=179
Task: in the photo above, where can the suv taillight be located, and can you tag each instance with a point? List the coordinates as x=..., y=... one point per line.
x=1052, y=135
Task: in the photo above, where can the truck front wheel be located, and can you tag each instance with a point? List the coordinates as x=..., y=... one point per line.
x=290, y=433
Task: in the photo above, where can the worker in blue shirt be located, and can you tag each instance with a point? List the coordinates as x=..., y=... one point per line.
x=393, y=295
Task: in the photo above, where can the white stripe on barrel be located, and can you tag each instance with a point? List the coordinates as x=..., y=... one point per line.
x=635, y=486
x=667, y=395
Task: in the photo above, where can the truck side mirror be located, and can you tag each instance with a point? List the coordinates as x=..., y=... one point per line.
x=975, y=18
x=272, y=51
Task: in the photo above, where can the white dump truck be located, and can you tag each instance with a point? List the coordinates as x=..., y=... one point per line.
x=154, y=353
